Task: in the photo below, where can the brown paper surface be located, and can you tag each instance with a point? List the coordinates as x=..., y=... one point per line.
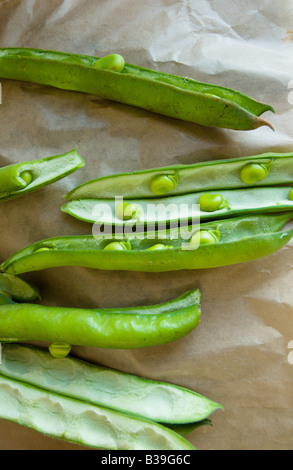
x=239, y=355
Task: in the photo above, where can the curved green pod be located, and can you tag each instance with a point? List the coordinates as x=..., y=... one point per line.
x=116, y=328
x=227, y=241
x=5, y=298
x=182, y=208
x=83, y=423
x=18, y=289
x=170, y=95
x=275, y=169
x=159, y=401
x=22, y=178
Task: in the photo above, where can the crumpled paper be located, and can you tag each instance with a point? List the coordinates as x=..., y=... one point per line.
x=239, y=355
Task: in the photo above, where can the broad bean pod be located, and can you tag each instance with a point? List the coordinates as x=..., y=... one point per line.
x=170, y=95
x=159, y=401
x=117, y=328
x=186, y=208
x=22, y=178
x=5, y=298
x=18, y=289
x=80, y=422
x=266, y=169
x=213, y=244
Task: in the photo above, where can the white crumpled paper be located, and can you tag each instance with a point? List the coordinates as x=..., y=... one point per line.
x=239, y=355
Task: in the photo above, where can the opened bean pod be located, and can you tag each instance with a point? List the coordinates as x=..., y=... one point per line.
x=266, y=169
x=203, y=191
x=207, y=245
x=80, y=422
x=186, y=208
x=22, y=178
x=159, y=401
x=111, y=78
x=97, y=406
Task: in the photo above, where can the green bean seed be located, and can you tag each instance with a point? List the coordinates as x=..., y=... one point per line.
x=126, y=211
x=163, y=184
x=43, y=248
x=160, y=246
x=254, y=172
x=212, y=202
x=291, y=195
x=27, y=177
x=205, y=237
x=113, y=62
x=118, y=246
x=59, y=350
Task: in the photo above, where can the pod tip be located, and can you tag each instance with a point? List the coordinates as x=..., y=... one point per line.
x=262, y=122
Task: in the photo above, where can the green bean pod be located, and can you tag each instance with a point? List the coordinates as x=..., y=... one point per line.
x=5, y=298
x=266, y=169
x=159, y=401
x=208, y=205
x=22, y=178
x=170, y=95
x=221, y=243
x=117, y=328
x=77, y=421
x=18, y=289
